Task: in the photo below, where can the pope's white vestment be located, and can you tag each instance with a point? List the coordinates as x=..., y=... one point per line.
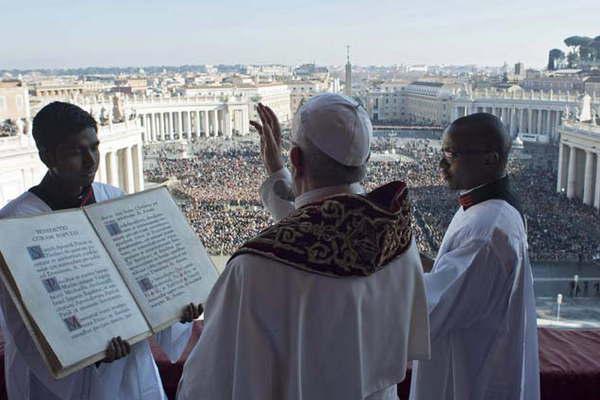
x=134, y=377
x=273, y=332
x=482, y=311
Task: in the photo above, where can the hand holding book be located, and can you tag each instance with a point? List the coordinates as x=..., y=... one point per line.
x=191, y=312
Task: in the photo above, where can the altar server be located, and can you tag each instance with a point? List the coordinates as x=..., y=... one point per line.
x=480, y=290
x=66, y=137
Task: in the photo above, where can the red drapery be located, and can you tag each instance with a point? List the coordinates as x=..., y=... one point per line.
x=569, y=365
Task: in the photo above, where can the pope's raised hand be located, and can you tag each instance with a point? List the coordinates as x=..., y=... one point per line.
x=191, y=312
x=270, y=138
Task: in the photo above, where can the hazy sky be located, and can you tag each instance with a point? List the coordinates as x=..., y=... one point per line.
x=59, y=33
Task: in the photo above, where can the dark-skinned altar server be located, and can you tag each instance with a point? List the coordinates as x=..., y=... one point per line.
x=480, y=289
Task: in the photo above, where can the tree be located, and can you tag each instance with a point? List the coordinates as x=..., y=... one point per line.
x=595, y=46
x=554, y=57
x=581, y=50
x=578, y=41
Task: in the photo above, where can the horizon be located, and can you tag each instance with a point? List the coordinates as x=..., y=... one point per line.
x=181, y=32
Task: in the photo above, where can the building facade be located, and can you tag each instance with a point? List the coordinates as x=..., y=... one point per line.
x=535, y=116
x=427, y=103
x=579, y=162
x=121, y=161
x=14, y=101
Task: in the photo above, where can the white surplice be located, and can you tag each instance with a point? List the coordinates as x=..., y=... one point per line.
x=134, y=377
x=482, y=311
x=273, y=332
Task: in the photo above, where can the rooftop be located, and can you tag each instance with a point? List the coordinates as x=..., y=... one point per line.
x=426, y=83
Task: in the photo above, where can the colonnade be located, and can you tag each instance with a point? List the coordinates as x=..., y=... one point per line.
x=189, y=123
x=579, y=172
x=531, y=120
x=123, y=168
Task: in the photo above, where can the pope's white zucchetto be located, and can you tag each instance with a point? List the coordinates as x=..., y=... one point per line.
x=337, y=125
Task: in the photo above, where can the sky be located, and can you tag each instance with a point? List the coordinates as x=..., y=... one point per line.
x=61, y=34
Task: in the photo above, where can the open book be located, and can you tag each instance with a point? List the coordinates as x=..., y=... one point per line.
x=125, y=267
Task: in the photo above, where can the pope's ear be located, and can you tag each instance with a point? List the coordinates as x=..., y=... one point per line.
x=296, y=159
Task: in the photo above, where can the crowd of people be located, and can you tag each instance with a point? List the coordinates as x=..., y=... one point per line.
x=218, y=189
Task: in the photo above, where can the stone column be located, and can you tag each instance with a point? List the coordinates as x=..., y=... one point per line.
x=128, y=165
x=227, y=130
x=159, y=124
x=112, y=168
x=138, y=166
x=556, y=123
x=597, y=191
x=180, y=124
x=206, y=124
x=153, y=134
x=216, y=122
x=152, y=127
x=559, y=175
x=246, y=121
x=513, y=122
x=539, y=122
x=522, y=121
x=197, y=114
x=101, y=172
x=548, y=127
x=146, y=129
x=572, y=172
x=168, y=125
x=588, y=188
x=173, y=124
x=189, y=123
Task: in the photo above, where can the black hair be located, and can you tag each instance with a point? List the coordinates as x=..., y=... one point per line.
x=57, y=121
x=489, y=128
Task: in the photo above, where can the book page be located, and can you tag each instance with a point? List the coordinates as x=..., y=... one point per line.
x=162, y=260
x=68, y=285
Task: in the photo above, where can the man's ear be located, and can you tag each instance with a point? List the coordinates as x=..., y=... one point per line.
x=296, y=159
x=47, y=158
x=492, y=159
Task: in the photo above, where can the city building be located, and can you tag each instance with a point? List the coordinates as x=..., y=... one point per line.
x=385, y=103
x=557, y=81
x=427, y=103
x=301, y=90
x=519, y=70
x=311, y=71
x=131, y=86
x=14, y=102
x=67, y=89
